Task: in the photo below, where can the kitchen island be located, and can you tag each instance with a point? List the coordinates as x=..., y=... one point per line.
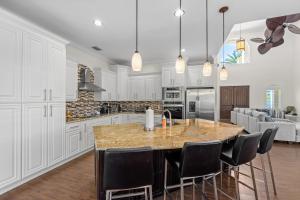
x=161, y=140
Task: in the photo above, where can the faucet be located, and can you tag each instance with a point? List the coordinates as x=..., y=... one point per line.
x=170, y=116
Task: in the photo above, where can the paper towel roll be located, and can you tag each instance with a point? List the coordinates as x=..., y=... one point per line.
x=149, y=124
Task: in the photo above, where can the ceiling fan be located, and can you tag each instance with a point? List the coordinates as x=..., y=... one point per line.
x=275, y=32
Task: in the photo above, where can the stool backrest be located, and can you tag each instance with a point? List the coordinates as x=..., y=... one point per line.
x=127, y=168
x=198, y=159
x=267, y=140
x=245, y=148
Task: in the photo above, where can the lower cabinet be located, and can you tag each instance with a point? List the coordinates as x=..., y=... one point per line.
x=73, y=139
x=10, y=144
x=34, y=139
x=56, y=133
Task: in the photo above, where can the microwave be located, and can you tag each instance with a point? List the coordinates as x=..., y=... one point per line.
x=173, y=94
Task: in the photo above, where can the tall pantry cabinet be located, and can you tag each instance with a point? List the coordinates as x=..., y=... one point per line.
x=32, y=100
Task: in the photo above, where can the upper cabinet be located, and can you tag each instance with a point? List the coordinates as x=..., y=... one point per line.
x=10, y=63
x=71, y=81
x=122, y=83
x=137, y=90
x=153, y=88
x=107, y=80
x=195, y=77
x=171, y=79
x=57, y=72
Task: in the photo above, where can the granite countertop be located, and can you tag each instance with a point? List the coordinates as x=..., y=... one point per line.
x=133, y=135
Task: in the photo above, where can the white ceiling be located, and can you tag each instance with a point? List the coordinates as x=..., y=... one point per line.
x=73, y=20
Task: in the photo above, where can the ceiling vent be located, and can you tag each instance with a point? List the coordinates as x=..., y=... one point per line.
x=96, y=48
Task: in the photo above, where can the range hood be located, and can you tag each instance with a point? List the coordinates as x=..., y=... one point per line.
x=85, y=83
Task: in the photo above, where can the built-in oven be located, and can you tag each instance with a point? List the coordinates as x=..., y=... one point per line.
x=173, y=94
x=177, y=110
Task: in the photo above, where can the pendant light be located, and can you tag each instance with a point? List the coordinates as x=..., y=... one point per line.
x=136, y=61
x=240, y=43
x=180, y=62
x=223, y=71
x=207, y=68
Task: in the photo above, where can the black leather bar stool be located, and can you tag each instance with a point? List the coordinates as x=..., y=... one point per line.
x=265, y=145
x=197, y=160
x=128, y=169
x=242, y=151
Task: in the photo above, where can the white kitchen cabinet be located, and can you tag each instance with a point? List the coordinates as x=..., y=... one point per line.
x=74, y=139
x=10, y=144
x=116, y=119
x=56, y=133
x=150, y=88
x=107, y=80
x=171, y=79
x=137, y=118
x=10, y=63
x=122, y=83
x=57, y=72
x=35, y=69
x=195, y=77
x=71, y=81
x=137, y=88
x=34, y=138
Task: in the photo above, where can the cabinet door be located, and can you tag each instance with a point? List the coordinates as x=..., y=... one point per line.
x=73, y=142
x=57, y=71
x=113, y=87
x=34, y=140
x=132, y=89
x=158, y=88
x=10, y=144
x=194, y=74
x=178, y=79
x=167, y=77
x=122, y=84
x=35, y=74
x=71, y=81
x=150, y=88
x=10, y=63
x=140, y=88
x=56, y=133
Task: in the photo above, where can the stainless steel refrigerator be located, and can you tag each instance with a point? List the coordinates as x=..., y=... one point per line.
x=200, y=103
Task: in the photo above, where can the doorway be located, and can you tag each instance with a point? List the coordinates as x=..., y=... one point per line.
x=231, y=97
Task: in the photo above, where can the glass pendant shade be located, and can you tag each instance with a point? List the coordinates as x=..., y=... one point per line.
x=180, y=65
x=207, y=69
x=136, y=62
x=241, y=45
x=223, y=74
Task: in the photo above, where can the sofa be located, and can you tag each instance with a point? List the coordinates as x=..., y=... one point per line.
x=254, y=121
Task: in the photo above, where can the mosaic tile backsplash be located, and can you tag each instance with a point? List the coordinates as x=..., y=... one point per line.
x=86, y=106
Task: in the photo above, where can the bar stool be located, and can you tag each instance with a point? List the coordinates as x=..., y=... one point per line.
x=128, y=169
x=197, y=160
x=242, y=151
x=265, y=145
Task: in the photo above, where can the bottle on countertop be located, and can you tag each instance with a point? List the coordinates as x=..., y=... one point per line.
x=164, y=122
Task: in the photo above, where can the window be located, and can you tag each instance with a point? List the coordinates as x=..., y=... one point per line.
x=273, y=98
x=232, y=56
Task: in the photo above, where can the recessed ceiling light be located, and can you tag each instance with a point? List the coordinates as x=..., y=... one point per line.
x=183, y=50
x=97, y=22
x=179, y=12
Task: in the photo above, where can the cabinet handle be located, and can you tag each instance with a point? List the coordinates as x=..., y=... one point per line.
x=73, y=127
x=50, y=95
x=51, y=109
x=45, y=94
x=45, y=111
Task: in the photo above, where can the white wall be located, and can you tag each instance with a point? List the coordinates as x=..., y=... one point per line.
x=296, y=72
x=86, y=57
x=263, y=71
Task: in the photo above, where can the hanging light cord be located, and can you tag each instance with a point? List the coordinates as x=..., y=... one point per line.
x=136, y=25
x=223, y=37
x=180, y=29
x=206, y=31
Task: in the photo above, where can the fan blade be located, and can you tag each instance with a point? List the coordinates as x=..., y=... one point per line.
x=257, y=40
x=264, y=48
x=280, y=42
x=277, y=34
x=292, y=18
x=268, y=33
x=273, y=23
x=294, y=29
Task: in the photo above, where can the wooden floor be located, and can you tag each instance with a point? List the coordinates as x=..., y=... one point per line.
x=75, y=180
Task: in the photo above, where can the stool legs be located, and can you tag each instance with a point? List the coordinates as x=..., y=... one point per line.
x=236, y=179
x=265, y=176
x=215, y=188
x=272, y=175
x=253, y=180
x=181, y=190
x=165, y=180
x=146, y=194
x=194, y=189
x=150, y=191
x=203, y=187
